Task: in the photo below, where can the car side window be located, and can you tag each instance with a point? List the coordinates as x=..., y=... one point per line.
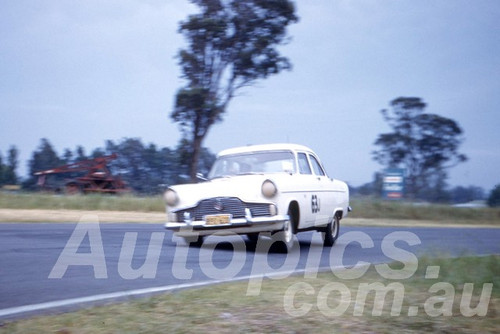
x=316, y=166
x=304, y=164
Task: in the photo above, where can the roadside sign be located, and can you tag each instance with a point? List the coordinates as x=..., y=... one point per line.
x=393, y=183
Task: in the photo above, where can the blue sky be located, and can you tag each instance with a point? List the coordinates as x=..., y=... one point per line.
x=81, y=72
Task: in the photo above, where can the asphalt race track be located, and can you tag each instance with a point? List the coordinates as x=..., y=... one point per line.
x=30, y=252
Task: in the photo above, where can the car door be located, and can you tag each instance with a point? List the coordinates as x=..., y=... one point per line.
x=309, y=189
x=322, y=200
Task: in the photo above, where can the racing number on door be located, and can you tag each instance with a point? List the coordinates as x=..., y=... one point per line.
x=315, y=204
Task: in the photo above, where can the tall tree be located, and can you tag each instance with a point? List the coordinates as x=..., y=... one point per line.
x=426, y=145
x=12, y=163
x=67, y=156
x=231, y=44
x=80, y=154
x=8, y=173
x=45, y=157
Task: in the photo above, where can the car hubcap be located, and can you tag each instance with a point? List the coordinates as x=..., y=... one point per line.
x=335, y=226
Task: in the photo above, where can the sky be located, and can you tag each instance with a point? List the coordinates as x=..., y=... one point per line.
x=79, y=72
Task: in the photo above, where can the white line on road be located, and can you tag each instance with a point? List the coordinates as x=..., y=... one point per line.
x=138, y=292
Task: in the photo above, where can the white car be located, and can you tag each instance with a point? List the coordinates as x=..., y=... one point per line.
x=278, y=188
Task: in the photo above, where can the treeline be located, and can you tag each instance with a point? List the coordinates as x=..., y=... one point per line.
x=146, y=168
x=433, y=193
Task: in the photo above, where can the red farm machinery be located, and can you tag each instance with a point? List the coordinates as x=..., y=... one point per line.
x=97, y=177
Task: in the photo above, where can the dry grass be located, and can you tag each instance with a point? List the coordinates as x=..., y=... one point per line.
x=226, y=308
x=375, y=208
x=30, y=201
x=36, y=207
x=65, y=216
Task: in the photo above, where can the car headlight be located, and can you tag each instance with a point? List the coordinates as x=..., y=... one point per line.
x=171, y=197
x=269, y=189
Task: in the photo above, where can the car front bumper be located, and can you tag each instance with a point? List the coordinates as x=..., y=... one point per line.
x=235, y=226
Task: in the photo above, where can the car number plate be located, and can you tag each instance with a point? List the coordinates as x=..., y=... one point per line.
x=217, y=220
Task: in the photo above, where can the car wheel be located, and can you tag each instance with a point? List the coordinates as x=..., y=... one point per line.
x=253, y=237
x=194, y=241
x=332, y=232
x=285, y=238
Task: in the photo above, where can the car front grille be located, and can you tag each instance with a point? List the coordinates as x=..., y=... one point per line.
x=224, y=205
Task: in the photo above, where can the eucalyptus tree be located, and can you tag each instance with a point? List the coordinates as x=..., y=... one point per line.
x=425, y=144
x=231, y=45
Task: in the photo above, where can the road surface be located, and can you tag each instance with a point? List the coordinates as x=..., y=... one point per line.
x=41, y=272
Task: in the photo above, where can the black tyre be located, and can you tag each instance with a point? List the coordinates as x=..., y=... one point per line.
x=332, y=232
x=194, y=241
x=285, y=239
x=253, y=237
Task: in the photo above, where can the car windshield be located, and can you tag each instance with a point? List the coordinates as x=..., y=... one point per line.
x=253, y=163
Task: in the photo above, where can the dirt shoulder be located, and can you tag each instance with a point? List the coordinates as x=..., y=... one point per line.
x=72, y=216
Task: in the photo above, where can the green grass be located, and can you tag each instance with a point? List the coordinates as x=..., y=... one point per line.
x=81, y=202
x=376, y=208
x=363, y=207
x=225, y=308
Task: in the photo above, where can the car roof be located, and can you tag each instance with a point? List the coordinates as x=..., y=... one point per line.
x=265, y=147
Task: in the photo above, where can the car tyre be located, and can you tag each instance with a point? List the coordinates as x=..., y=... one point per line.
x=332, y=232
x=194, y=241
x=253, y=237
x=285, y=238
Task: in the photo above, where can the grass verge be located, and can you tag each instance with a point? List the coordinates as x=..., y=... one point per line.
x=225, y=308
x=60, y=208
x=375, y=208
x=37, y=201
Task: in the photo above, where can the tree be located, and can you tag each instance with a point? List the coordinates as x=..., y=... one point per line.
x=80, y=154
x=183, y=159
x=67, y=156
x=8, y=171
x=232, y=44
x=130, y=163
x=43, y=158
x=373, y=188
x=462, y=194
x=10, y=176
x=146, y=167
x=426, y=145
x=494, y=198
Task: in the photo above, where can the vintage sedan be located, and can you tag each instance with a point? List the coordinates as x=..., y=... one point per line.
x=280, y=189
